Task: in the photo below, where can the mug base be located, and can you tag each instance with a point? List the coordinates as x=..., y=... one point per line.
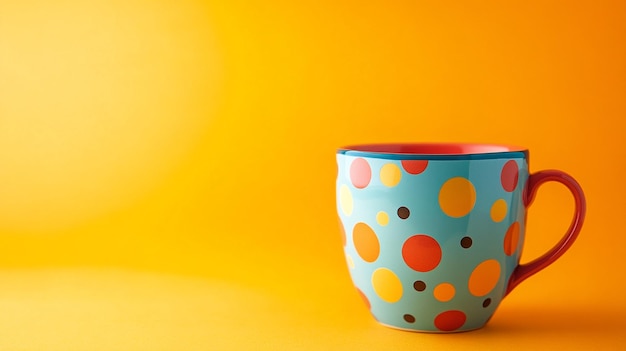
x=427, y=331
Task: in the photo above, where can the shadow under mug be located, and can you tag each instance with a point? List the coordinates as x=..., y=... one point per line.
x=433, y=233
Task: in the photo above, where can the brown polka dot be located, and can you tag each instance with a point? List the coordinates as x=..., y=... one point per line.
x=403, y=212
x=419, y=285
x=409, y=318
x=487, y=302
x=466, y=242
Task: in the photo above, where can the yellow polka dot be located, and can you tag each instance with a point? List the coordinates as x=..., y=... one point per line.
x=484, y=278
x=382, y=218
x=457, y=197
x=350, y=261
x=498, y=210
x=390, y=174
x=444, y=292
x=387, y=285
x=345, y=200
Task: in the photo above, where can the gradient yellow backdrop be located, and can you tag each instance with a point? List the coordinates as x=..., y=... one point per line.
x=180, y=145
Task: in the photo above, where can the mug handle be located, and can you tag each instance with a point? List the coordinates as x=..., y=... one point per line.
x=524, y=271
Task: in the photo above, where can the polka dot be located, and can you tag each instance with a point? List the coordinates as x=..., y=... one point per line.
x=414, y=166
x=390, y=175
x=509, y=175
x=409, y=318
x=382, y=218
x=342, y=232
x=444, y=292
x=457, y=197
x=350, y=261
x=498, y=210
x=365, y=242
x=360, y=173
x=487, y=302
x=403, y=212
x=387, y=285
x=484, y=278
x=365, y=299
x=419, y=285
x=421, y=252
x=466, y=242
x=450, y=320
x=511, y=239
x=345, y=200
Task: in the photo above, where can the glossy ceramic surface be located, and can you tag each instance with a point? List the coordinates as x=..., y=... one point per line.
x=433, y=234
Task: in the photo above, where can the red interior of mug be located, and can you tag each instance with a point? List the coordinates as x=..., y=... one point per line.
x=435, y=148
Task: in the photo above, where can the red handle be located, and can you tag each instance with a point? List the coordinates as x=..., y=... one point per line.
x=523, y=271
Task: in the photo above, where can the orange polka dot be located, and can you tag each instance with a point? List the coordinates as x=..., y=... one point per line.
x=484, y=278
x=444, y=292
x=511, y=239
x=365, y=242
x=457, y=197
x=365, y=299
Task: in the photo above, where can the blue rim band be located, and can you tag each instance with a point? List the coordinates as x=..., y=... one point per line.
x=409, y=156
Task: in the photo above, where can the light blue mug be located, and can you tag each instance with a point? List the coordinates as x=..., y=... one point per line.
x=433, y=233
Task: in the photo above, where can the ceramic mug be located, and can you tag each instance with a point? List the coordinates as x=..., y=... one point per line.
x=433, y=233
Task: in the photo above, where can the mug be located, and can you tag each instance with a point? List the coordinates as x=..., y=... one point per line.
x=433, y=233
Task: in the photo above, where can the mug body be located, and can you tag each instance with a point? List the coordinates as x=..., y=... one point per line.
x=432, y=232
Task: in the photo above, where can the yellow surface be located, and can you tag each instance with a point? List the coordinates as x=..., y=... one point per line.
x=167, y=168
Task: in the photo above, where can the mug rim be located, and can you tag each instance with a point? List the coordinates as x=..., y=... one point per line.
x=417, y=151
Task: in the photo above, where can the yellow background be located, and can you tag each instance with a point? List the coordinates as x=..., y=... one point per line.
x=167, y=168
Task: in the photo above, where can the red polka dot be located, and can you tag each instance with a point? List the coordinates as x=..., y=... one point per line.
x=360, y=173
x=414, y=166
x=450, y=320
x=421, y=252
x=509, y=175
x=365, y=299
x=525, y=196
